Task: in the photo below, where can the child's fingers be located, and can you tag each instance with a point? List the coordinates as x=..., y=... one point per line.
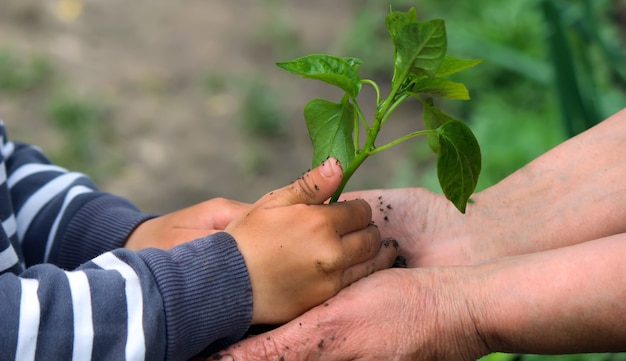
x=385, y=258
x=314, y=187
x=347, y=217
x=360, y=246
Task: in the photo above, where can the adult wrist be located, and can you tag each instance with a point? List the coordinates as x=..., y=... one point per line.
x=485, y=229
x=457, y=319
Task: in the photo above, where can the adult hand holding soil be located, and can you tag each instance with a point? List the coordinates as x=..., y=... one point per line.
x=396, y=314
x=300, y=252
x=429, y=229
x=565, y=300
x=571, y=194
x=546, y=246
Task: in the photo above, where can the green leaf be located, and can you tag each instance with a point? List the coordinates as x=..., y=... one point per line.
x=341, y=72
x=458, y=162
x=442, y=88
x=420, y=48
x=433, y=119
x=396, y=20
x=452, y=65
x=353, y=62
x=330, y=127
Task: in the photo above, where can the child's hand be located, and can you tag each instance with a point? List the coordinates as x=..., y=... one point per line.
x=300, y=252
x=185, y=225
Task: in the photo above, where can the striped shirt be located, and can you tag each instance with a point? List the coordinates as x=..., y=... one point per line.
x=69, y=291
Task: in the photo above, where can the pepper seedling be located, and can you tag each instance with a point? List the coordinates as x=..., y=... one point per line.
x=420, y=69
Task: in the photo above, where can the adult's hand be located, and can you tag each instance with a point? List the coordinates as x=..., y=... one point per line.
x=429, y=229
x=564, y=300
x=300, y=252
x=395, y=314
x=571, y=194
x=185, y=225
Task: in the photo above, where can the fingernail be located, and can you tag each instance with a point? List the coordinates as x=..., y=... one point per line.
x=226, y=358
x=327, y=168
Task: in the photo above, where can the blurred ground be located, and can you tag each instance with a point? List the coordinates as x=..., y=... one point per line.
x=176, y=143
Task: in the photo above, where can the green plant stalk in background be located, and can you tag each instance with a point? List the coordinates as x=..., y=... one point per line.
x=420, y=69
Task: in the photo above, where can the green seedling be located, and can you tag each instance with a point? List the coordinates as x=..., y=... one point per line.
x=420, y=70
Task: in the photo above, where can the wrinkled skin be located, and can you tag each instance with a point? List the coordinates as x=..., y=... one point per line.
x=408, y=323
x=544, y=253
x=439, y=236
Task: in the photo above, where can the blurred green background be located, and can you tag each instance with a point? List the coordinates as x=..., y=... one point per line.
x=172, y=103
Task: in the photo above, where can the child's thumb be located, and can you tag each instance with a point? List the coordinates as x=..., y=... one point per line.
x=314, y=187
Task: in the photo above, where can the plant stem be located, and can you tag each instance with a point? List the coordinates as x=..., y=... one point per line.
x=383, y=111
x=375, y=86
x=393, y=107
x=402, y=139
x=348, y=172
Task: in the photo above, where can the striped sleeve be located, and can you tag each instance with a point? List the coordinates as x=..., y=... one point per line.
x=69, y=292
x=11, y=258
x=60, y=216
x=122, y=305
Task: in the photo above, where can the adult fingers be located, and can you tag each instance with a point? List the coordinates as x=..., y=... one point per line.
x=284, y=343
